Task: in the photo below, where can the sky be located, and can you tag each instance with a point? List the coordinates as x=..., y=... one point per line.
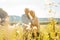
x=41, y=7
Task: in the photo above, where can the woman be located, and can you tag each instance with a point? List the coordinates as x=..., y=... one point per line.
x=34, y=20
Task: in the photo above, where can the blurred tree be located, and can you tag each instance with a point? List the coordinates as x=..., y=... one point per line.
x=3, y=15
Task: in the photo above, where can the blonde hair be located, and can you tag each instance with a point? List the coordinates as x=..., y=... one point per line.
x=32, y=13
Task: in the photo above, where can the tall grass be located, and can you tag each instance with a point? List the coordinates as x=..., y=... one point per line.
x=17, y=33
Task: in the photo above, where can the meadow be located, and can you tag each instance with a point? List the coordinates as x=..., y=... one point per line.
x=46, y=32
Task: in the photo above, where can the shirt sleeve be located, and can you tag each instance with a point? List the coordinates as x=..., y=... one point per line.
x=25, y=19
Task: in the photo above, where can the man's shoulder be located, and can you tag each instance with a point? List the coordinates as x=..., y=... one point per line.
x=23, y=15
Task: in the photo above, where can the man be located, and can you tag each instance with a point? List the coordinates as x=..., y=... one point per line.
x=25, y=17
x=25, y=22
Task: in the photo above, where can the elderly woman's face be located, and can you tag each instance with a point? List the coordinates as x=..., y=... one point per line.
x=32, y=13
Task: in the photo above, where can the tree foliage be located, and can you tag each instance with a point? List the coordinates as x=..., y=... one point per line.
x=3, y=14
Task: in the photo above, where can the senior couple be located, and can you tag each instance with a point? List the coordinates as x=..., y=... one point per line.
x=30, y=17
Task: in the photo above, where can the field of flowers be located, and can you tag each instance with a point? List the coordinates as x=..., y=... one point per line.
x=46, y=32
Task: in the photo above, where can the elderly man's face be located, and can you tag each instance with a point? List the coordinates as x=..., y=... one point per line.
x=26, y=11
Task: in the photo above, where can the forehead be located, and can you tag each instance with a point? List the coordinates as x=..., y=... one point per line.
x=26, y=9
